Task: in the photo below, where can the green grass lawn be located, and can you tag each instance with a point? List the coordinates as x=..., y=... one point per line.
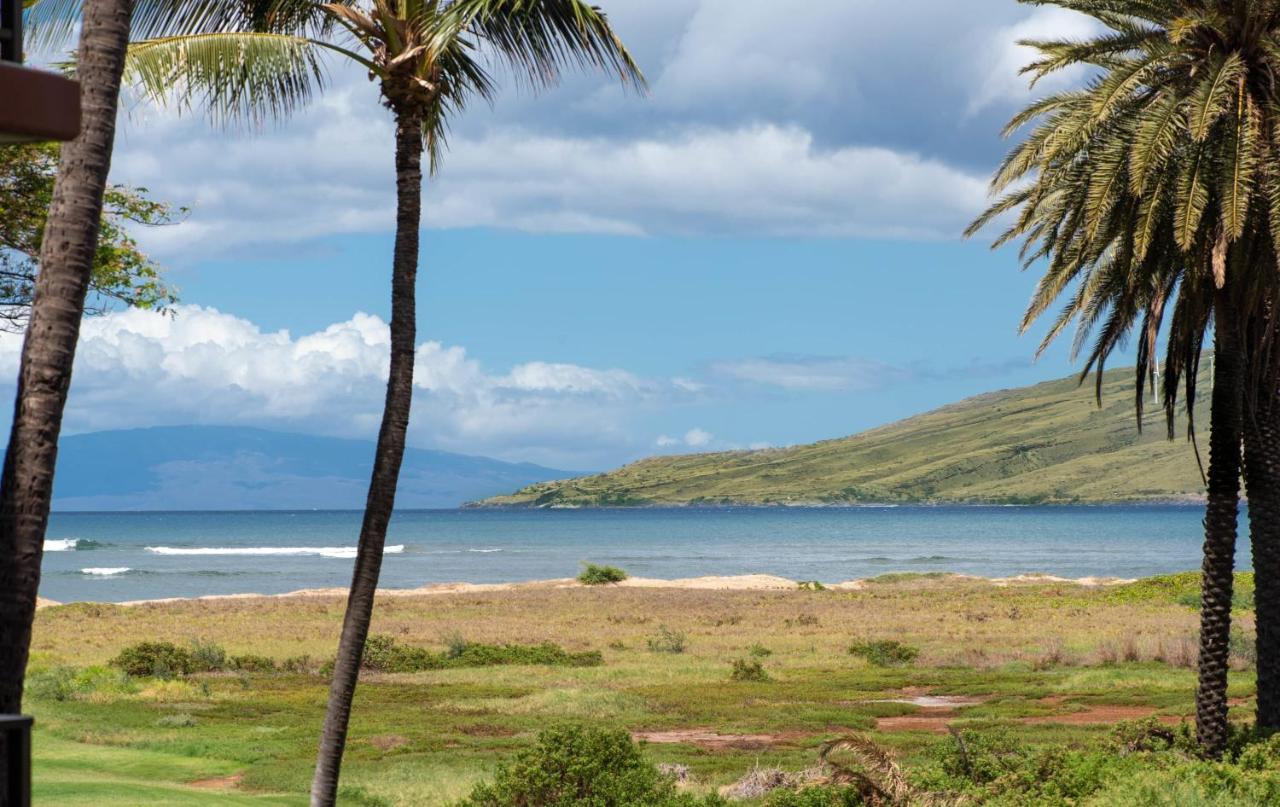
x=1038, y=661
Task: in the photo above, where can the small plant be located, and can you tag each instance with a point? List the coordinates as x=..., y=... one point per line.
x=667, y=641
x=810, y=585
x=572, y=765
x=299, y=664
x=251, y=663
x=885, y=652
x=758, y=650
x=593, y=575
x=207, y=656
x=455, y=645
x=158, y=659
x=748, y=670
x=178, y=721
x=384, y=654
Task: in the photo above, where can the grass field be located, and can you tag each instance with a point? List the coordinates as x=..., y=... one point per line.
x=1046, y=443
x=1054, y=664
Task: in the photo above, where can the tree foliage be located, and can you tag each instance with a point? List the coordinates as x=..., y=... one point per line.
x=122, y=272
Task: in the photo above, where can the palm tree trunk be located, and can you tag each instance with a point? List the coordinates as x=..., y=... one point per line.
x=48, y=352
x=1221, y=513
x=386, y=464
x=1262, y=483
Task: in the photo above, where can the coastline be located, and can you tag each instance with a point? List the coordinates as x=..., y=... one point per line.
x=747, y=582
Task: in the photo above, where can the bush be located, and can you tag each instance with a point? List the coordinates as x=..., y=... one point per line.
x=385, y=654
x=744, y=670
x=822, y=796
x=251, y=663
x=573, y=766
x=885, y=652
x=207, y=656
x=159, y=659
x=667, y=641
x=593, y=575
x=53, y=684
x=758, y=650
x=810, y=585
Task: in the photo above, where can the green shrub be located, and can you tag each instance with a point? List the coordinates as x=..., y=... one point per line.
x=744, y=670
x=251, y=663
x=810, y=585
x=178, y=721
x=159, y=659
x=885, y=652
x=207, y=656
x=822, y=796
x=67, y=683
x=758, y=650
x=299, y=664
x=593, y=575
x=571, y=766
x=385, y=654
x=667, y=641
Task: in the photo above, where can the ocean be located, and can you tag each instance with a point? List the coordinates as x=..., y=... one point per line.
x=110, y=557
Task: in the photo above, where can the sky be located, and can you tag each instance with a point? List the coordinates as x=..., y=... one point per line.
x=763, y=250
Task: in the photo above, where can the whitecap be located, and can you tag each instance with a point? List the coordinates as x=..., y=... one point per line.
x=486, y=551
x=283, y=551
x=106, y=571
x=60, y=544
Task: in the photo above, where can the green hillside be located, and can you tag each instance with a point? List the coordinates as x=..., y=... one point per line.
x=1045, y=443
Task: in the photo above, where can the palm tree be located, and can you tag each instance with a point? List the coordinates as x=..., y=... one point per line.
x=427, y=58
x=1154, y=189
x=66, y=261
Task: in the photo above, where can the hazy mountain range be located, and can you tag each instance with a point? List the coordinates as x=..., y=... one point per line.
x=235, y=468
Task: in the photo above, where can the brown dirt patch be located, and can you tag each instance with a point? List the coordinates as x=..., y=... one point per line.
x=487, y=730
x=388, y=742
x=220, y=782
x=936, y=720
x=705, y=738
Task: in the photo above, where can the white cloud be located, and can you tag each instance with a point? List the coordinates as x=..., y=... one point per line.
x=697, y=438
x=1003, y=58
x=814, y=373
x=666, y=441
x=137, y=368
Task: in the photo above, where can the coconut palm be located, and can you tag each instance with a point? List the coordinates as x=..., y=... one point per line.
x=1151, y=192
x=428, y=59
x=67, y=254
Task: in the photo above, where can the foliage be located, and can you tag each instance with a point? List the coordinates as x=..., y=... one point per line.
x=810, y=585
x=385, y=654
x=667, y=641
x=159, y=659
x=885, y=652
x=593, y=575
x=122, y=273
x=571, y=766
x=819, y=796
x=63, y=683
x=748, y=670
x=251, y=663
x=758, y=650
x=207, y=656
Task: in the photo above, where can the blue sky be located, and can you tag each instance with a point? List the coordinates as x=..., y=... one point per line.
x=763, y=251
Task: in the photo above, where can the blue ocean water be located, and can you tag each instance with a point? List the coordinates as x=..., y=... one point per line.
x=128, y=556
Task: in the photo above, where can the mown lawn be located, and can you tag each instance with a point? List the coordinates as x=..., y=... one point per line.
x=1050, y=663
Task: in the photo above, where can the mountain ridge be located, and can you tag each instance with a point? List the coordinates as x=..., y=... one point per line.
x=1045, y=443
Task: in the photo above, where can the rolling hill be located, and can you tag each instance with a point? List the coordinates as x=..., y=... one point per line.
x=235, y=468
x=1045, y=443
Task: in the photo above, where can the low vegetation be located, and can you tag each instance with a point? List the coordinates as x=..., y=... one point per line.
x=593, y=575
x=1044, y=667
x=885, y=652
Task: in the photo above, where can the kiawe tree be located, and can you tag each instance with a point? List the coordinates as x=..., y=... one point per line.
x=1151, y=196
x=429, y=60
x=122, y=274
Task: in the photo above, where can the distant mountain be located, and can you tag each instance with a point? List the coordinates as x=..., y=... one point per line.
x=234, y=468
x=1045, y=443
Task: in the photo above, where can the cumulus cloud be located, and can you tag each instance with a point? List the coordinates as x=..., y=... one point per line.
x=854, y=118
x=809, y=373
x=694, y=438
x=138, y=368
x=1004, y=58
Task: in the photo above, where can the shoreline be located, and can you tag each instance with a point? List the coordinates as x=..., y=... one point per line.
x=745, y=582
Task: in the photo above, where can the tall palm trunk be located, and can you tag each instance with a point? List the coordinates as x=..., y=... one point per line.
x=48, y=352
x=1262, y=483
x=386, y=464
x=1221, y=513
